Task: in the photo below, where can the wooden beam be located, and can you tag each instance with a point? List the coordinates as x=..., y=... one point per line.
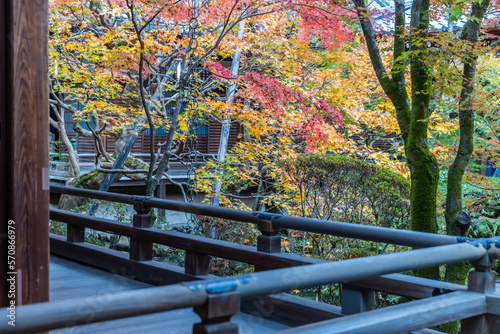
x=3, y=152
x=24, y=102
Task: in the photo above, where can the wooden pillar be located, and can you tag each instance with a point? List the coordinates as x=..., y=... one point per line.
x=75, y=233
x=197, y=263
x=269, y=241
x=24, y=150
x=141, y=250
x=3, y=153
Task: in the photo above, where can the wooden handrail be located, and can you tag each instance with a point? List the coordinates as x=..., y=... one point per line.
x=358, y=273
x=55, y=315
x=370, y=233
x=218, y=248
x=408, y=286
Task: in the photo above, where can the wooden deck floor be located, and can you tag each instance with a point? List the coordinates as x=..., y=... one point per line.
x=70, y=280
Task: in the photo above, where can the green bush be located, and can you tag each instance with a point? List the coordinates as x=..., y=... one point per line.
x=349, y=190
x=346, y=189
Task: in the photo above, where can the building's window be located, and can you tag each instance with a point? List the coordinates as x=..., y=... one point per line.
x=68, y=118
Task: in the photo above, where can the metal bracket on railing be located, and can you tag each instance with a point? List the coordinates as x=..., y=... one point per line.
x=465, y=240
x=494, y=249
x=486, y=243
x=487, y=261
x=140, y=198
x=215, y=287
x=266, y=215
x=226, y=285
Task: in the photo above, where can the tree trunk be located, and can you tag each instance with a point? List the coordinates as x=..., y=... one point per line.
x=65, y=139
x=226, y=125
x=423, y=164
x=457, y=273
x=152, y=183
x=412, y=119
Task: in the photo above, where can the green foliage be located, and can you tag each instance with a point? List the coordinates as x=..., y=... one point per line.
x=170, y=255
x=158, y=221
x=109, y=210
x=57, y=228
x=232, y=231
x=350, y=190
x=228, y=230
x=225, y=268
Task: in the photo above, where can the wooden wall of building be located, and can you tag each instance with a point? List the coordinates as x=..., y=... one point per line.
x=208, y=143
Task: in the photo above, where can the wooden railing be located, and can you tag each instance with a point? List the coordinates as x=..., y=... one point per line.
x=216, y=300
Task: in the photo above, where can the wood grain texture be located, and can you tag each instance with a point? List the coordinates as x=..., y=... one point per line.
x=197, y=263
x=151, y=272
x=28, y=147
x=141, y=250
x=3, y=153
x=69, y=280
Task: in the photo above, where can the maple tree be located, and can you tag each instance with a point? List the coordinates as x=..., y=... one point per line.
x=114, y=57
x=282, y=106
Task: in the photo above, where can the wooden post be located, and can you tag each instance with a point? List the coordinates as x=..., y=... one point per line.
x=356, y=299
x=196, y=263
x=216, y=314
x=24, y=151
x=75, y=233
x=4, y=217
x=141, y=250
x=269, y=241
x=482, y=282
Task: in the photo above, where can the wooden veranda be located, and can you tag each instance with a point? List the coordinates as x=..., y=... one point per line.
x=70, y=280
x=103, y=290
x=260, y=297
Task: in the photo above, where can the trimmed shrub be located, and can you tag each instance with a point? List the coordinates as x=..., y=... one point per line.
x=349, y=190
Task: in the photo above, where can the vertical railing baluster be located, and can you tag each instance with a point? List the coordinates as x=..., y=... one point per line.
x=482, y=280
x=356, y=299
x=196, y=263
x=74, y=233
x=141, y=250
x=269, y=241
